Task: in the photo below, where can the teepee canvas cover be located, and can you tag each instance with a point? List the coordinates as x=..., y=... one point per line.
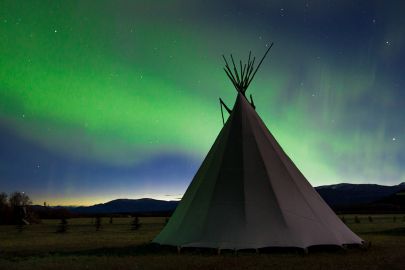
x=249, y=194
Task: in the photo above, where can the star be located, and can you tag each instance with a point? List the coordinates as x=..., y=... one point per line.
x=56, y=31
x=394, y=139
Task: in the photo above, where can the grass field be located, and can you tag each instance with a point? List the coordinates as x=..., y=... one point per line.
x=116, y=246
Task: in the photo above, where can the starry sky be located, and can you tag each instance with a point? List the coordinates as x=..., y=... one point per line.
x=119, y=99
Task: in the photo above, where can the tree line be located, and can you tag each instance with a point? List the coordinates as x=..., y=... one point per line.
x=14, y=208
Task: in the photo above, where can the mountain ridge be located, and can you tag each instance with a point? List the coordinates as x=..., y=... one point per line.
x=337, y=196
x=346, y=194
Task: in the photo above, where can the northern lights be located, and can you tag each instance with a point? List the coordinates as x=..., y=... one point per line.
x=120, y=98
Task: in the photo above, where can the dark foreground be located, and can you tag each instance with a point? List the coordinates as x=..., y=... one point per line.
x=116, y=246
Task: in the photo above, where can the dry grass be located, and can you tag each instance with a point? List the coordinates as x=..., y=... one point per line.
x=117, y=247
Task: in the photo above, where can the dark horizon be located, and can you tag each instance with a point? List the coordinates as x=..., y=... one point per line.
x=399, y=185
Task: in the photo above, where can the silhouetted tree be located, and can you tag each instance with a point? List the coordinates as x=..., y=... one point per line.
x=111, y=220
x=343, y=219
x=13, y=209
x=135, y=225
x=18, y=202
x=356, y=219
x=3, y=199
x=18, y=199
x=98, y=223
x=370, y=219
x=63, y=226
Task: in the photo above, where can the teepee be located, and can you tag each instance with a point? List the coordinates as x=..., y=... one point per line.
x=248, y=193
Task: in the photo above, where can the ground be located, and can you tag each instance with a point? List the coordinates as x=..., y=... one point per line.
x=116, y=246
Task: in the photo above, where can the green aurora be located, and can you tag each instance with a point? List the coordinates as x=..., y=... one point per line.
x=118, y=83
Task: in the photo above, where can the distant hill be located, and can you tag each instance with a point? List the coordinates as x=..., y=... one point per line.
x=127, y=206
x=341, y=197
x=394, y=202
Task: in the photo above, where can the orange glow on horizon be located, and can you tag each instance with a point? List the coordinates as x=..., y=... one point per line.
x=92, y=200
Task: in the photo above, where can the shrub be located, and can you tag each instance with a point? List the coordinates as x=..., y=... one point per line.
x=135, y=224
x=63, y=226
x=98, y=223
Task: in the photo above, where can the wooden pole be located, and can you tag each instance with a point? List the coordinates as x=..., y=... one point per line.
x=260, y=63
x=222, y=112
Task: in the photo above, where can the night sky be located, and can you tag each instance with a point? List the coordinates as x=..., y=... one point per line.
x=119, y=99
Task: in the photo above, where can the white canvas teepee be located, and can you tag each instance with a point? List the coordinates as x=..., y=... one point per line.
x=249, y=194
